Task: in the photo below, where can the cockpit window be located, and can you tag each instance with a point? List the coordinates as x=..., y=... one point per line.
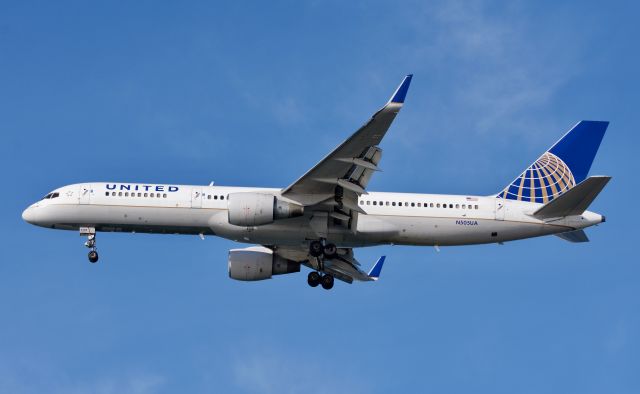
x=51, y=195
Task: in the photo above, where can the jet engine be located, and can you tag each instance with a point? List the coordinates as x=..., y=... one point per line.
x=258, y=263
x=257, y=209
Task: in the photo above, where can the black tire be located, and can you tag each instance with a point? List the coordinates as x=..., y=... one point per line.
x=313, y=279
x=315, y=248
x=330, y=250
x=327, y=282
x=93, y=256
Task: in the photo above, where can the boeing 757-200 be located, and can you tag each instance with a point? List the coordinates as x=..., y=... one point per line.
x=318, y=219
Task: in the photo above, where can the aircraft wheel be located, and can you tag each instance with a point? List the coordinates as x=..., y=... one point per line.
x=315, y=248
x=327, y=282
x=313, y=279
x=330, y=250
x=93, y=256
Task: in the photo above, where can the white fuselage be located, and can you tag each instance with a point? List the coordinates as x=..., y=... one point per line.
x=391, y=218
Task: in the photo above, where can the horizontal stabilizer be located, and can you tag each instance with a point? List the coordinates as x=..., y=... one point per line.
x=574, y=236
x=575, y=201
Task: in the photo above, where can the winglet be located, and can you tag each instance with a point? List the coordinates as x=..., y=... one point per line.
x=400, y=93
x=374, y=273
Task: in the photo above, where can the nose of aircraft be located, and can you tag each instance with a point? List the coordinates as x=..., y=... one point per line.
x=28, y=215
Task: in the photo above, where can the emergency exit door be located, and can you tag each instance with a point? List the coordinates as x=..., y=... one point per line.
x=84, y=194
x=197, y=195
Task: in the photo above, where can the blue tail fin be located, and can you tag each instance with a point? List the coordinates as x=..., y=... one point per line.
x=560, y=168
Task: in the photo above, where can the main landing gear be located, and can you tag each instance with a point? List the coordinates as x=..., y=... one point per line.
x=319, y=248
x=315, y=278
x=321, y=251
x=90, y=233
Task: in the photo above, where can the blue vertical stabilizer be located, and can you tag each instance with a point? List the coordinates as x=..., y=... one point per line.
x=564, y=165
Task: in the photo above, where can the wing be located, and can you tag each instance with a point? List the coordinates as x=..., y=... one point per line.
x=342, y=176
x=344, y=266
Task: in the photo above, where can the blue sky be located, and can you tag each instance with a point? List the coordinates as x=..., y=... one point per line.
x=253, y=94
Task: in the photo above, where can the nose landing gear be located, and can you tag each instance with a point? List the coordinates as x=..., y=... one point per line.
x=93, y=256
x=90, y=233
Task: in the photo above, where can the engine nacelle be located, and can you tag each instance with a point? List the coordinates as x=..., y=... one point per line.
x=258, y=263
x=257, y=209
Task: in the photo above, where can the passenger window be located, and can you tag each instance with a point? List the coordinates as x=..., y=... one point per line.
x=431, y=205
x=361, y=202
x=151, y=195
x=139, y=194
x=413, y=204
x=215, y=197
x=438, y=205
x=222, y=197
x=146, y=194
x=444, y=205
x=386, y=203
x=164, y=195
x=457, y=205
x=476, y=207
x=119, y=194
x=450, y=205
x=393, y=203
x=419, y=204
x=368, y=202
x=464, y=206
x=106, y=193
x=406, y=204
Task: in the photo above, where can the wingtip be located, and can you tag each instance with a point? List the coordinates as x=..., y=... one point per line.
x=401, y=92
x=595, y=124
x=374, y=273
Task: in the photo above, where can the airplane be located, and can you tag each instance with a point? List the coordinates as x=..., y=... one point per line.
x=320, y=218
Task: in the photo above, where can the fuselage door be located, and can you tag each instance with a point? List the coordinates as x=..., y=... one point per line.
x=84, y=196
x=500, y=208
x=197, y=196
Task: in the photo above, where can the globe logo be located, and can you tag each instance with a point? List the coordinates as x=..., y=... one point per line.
x=543, y=181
